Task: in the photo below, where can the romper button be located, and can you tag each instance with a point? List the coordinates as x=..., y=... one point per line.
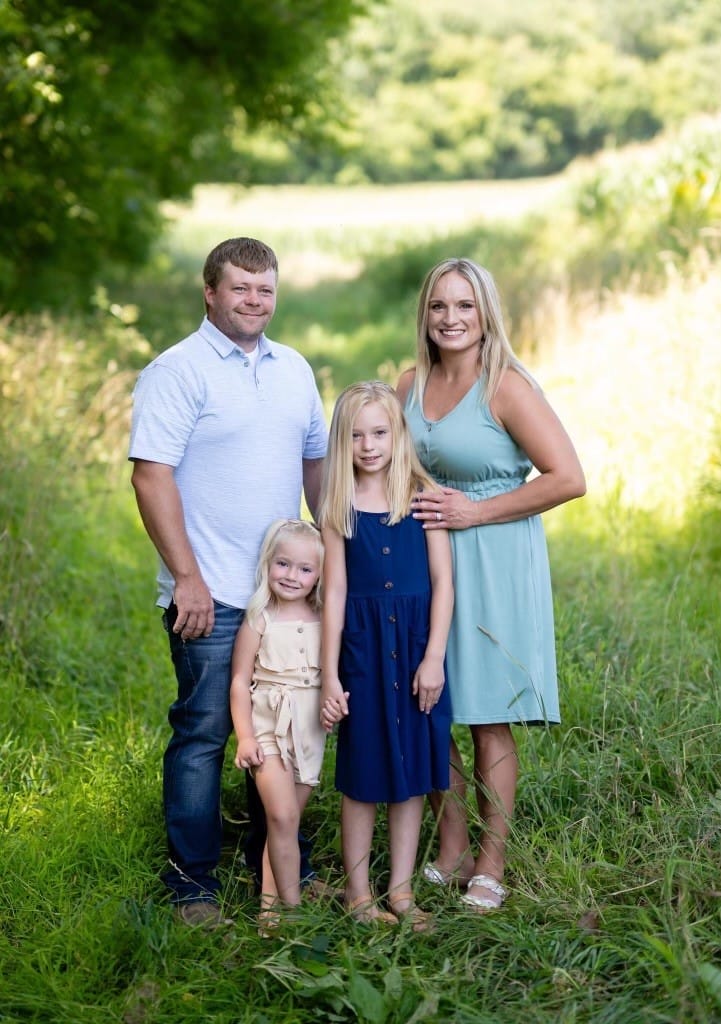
x=388, y=585
x=386, y=551
x=304, y=669
x=306, y=681
x=302, y=650
x=300, y=629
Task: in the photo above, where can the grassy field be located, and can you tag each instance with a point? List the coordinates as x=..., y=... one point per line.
x=615, y=908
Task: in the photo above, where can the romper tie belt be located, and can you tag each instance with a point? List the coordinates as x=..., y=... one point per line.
x=281, y=701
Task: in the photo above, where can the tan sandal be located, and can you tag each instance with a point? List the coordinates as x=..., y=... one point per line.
x=420, y=920
x=363, y=910
x=268, y=916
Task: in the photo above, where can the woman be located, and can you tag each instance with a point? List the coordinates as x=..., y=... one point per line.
x=480, y=425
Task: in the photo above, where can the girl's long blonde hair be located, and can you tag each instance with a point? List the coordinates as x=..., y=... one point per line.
x=405, y=475
x=495, y=354
x=277, y=532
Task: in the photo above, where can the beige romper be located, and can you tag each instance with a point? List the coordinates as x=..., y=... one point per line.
x=285, y=695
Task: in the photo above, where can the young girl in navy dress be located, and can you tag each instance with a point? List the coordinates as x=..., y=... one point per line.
x=275, y=699
x=388, y=599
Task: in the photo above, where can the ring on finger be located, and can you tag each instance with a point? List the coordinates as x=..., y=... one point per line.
x=438, y=517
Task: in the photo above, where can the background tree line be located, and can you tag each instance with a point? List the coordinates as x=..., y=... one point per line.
x=442, y=90
x=106, y=110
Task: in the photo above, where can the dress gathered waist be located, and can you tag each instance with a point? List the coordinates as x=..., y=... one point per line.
x=477, y=490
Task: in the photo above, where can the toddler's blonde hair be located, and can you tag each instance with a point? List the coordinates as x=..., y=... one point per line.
x=281, y=530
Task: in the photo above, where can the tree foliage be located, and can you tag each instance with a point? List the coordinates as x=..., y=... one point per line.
x=107, y=108
x=442, y=90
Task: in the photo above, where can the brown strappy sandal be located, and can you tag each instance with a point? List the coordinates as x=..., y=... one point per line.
x=420, y=920
x=363, y=910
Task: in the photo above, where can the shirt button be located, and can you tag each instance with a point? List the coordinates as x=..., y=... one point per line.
x=246, y=363
x=388, y=585
x=386, y=551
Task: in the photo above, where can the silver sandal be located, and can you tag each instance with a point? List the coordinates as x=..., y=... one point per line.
x=485, y=902
x=435, y=876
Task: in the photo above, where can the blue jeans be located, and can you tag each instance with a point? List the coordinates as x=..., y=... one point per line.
x=193, y=762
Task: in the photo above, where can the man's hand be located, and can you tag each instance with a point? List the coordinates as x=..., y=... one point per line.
x=196, y=614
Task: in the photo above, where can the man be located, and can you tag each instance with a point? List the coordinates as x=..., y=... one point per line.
x=228, y=429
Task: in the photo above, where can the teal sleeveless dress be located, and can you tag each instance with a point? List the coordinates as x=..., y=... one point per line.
x=501, y=648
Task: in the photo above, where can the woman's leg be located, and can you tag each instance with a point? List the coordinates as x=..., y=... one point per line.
x=454, y=854
x=495, y=772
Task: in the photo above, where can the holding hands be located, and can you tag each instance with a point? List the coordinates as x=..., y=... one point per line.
x=334, y=705
x=249, y=754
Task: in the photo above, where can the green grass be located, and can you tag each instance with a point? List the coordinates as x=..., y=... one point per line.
x=615, y=908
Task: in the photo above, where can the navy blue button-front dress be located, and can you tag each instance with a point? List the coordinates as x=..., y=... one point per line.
x=388, y=750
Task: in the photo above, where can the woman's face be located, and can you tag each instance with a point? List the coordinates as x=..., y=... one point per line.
x=454, y=320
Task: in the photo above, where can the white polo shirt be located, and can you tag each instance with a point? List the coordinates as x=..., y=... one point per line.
x=235, y=434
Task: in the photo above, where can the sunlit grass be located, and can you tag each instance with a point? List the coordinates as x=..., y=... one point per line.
x=638, y=384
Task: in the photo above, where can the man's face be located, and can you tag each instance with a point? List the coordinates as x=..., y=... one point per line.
x=242, y=304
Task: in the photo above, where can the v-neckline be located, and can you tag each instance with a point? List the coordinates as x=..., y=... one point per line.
x=450, y=412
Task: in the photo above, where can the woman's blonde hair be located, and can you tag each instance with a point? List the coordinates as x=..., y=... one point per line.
x=280, y=530
x=405, y=475
x=494, y=351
